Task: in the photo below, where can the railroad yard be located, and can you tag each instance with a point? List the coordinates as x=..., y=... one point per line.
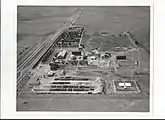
x=84, y=67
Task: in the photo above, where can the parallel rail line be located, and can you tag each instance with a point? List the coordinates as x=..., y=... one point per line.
x=34, y=56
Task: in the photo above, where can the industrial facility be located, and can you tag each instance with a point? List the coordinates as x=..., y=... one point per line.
x=65, y=66
x=96, y=60
x=71, y=69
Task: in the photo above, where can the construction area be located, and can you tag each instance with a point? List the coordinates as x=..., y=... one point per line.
x=73, y=65
x=71, y=69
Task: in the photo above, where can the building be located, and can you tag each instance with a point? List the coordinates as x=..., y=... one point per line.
x=121, y=57
x=92, y=60
x=78, y=54
x=62, y=54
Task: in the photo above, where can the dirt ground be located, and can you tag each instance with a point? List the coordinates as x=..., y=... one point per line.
x=36, y=23
x=83, y=103
x=117, y=19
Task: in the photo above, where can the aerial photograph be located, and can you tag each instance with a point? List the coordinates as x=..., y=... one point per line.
x=83, y=58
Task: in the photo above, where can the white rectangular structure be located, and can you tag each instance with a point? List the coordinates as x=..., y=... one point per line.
x=125, y=84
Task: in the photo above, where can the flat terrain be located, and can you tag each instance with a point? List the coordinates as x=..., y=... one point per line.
x=117, y=19
x=37, y=23
x=83, y=103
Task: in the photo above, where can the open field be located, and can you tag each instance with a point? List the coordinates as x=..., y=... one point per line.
x=37, y=23
x=117, y=19
x=82, y=103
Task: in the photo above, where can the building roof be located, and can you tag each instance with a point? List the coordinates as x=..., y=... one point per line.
x=125, y=84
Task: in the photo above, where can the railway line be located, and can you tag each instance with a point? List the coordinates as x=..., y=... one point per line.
x=33, y=56
x=27, y=54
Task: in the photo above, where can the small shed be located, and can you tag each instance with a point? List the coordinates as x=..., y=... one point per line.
x=77, y=53
x=121, y=57
x=50, y=73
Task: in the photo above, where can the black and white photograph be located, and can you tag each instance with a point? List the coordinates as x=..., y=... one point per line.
x=83, y=58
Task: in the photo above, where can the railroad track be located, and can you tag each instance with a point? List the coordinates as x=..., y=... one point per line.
x=27, y=54
x=33, y=57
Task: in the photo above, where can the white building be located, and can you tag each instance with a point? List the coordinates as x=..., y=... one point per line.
x=92, y=60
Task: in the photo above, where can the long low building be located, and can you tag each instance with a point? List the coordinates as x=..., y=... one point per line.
x=71, y=85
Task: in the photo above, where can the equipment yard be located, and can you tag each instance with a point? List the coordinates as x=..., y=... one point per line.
x=86, y=67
